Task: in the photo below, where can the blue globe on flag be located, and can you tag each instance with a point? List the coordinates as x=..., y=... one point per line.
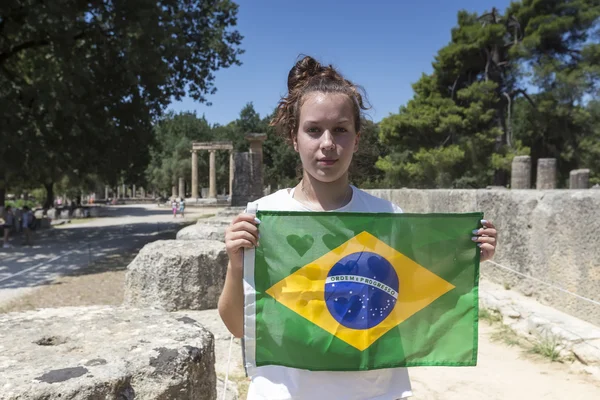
x=361, y=290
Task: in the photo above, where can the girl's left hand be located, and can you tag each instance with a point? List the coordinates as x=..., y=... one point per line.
x=486, y=238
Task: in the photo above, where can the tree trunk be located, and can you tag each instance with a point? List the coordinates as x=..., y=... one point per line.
x=2, y=192
x=49, y=195
x=500, y=175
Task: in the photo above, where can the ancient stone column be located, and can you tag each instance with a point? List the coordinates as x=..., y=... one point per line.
x=256, y=149
x=194, y=174
x=212, y=177
x=241, y=192
x=133, y=191
x=174, y=191
x=143, y=193
x=579, y=179
x=124, y=191
x=231, y=172
x=546, y=174
x=520, y=177
x=105, y=192
x=181, y=188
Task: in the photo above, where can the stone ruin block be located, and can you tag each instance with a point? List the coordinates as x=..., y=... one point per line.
x=546, y=174
x=99, y=352
x=202, y=231
x=247, y=178
x=520, y=177
x=212, y=228
x=177, y=275
x=579, y=179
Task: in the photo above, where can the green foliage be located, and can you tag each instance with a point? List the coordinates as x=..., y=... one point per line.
x=468, y=119
x=170, y=155
x=589, y=145
x=82, y=82
x=363, y=170
x=281, y=162
x=20, y=203
x=80, y=106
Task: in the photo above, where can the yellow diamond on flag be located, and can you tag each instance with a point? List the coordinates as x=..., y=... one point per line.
x=311, y=290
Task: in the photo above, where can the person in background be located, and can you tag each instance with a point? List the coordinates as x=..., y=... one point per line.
x=174, y=207
x=182, y=207
x=26, y=220
x=9, y=220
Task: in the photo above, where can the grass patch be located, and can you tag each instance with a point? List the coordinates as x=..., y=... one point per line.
x=507, y=335
x=503, y=333
x=489, y=316
x=547, y=345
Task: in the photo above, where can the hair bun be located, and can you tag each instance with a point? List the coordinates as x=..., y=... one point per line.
x=304, y=69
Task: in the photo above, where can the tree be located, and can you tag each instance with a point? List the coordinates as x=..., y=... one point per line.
x=561, y=54
x=363, y=172
x=461, y=129
x=282, y=166
x=77, y=93
x=170, y=155
x=590, y=144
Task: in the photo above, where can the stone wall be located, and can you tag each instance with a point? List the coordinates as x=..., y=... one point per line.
x=551, y=235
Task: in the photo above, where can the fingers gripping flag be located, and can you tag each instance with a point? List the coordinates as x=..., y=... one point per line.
x=357, y=291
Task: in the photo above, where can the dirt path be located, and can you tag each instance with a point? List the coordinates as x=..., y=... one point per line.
x=504, y=372
x=73, y=248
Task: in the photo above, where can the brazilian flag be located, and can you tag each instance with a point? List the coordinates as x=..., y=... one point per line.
x=336, y=291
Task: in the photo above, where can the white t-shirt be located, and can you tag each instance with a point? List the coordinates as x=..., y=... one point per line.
x=274, y=382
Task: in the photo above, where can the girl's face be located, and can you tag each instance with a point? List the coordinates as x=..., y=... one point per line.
x=326, y=138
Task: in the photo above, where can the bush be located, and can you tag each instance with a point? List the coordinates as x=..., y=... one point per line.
x=19, y=203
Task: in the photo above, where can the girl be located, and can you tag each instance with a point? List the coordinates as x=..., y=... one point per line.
x=321, y=117
x=174, y=207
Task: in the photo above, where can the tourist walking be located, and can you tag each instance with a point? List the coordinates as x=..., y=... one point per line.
x=9, y=220
x=174, y=207
x=182, y=208
x=27, y=224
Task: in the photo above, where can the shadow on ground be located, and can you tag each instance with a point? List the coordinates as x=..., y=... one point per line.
x=80, y=252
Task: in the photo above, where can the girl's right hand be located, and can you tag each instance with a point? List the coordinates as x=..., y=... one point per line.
x=241, y=233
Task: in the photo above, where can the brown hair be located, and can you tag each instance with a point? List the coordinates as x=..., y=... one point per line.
x=307, y=76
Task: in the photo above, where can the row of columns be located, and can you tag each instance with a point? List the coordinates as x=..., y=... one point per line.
x=212, y=174
x=250, y=177
x=122, y=191
x=256, y=148
x=212, y=177
x=546, y=174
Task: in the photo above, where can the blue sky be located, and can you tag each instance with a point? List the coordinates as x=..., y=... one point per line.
x=383, y=46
